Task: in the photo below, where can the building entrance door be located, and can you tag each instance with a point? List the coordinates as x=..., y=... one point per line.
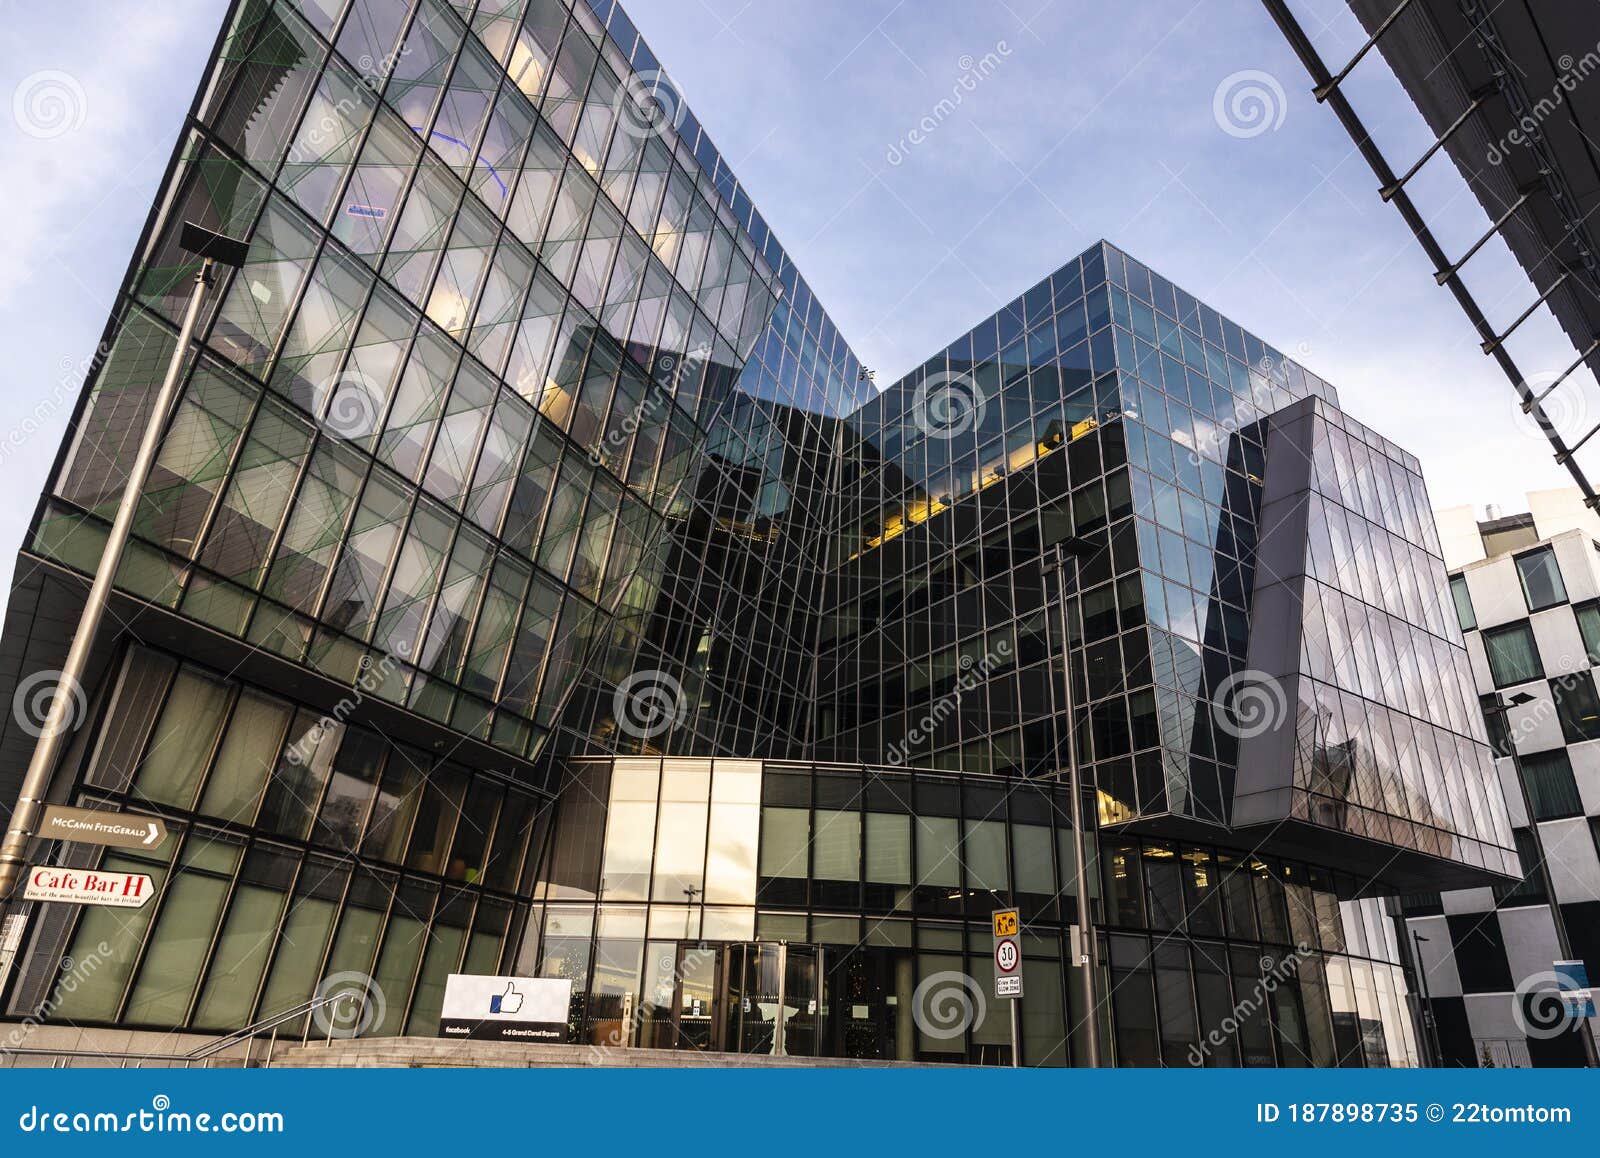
x=696, y=1007
x=757, y=997
x=771, y=1004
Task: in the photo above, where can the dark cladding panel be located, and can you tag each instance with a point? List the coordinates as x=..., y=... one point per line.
x=1341, y=746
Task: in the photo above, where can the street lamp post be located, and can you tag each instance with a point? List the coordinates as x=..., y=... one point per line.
x=1502, y=708
x=1077, y=548
x=1430, y=1024
x=211, y=248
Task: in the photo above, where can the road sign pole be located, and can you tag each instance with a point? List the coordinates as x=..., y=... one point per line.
x=1016, y=1035
x=58, y=724
x=1007, y=925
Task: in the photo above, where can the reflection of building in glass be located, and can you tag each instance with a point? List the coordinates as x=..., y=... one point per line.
x=533, y=584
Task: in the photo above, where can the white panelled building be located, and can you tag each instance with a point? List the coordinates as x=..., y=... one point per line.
x=1527, y=592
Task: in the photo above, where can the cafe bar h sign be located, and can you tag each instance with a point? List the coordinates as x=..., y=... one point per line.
x=84, y=887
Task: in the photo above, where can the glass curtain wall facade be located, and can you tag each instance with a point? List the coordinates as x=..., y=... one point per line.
x=532, y=581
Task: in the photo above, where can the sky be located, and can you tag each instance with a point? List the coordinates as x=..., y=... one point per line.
x=923, y=161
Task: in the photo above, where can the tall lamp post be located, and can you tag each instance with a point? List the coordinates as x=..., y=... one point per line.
x=1430, y=1024
x=1076, y=548
x=212, y=248
x=1502, y=709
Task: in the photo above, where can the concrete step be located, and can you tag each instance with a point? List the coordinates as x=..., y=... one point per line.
x=432, y=1052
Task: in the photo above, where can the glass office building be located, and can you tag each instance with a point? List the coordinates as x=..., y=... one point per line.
x=532, y=582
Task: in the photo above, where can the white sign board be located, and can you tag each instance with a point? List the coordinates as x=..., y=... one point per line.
x=505, y=1008
x=86, y=887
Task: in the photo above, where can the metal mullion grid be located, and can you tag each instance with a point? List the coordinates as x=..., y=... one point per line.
x=415, y=494
x=173, y=184
x=522, y=608
x=581, y=87
x=320, y=594
x=505, y=240
x=159, y=901
x=424, y=131
x=474, y=620
x=323, y=436
x=275, y=947
x=427, y=923
x=520, y=603
x=125, y=794
x=275, y=533
x=300, y=846
x=399, y=870
x=381, y=942
x=432, y=608
x=424, y=138
x=208, y=959
x=502, y=394
x=188, y=562
x=506, y=87
x=210, y=768
x=428, y=604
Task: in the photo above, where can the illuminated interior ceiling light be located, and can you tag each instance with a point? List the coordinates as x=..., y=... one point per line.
x=526, y=70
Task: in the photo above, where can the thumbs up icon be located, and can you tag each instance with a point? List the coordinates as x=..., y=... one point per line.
x=508, y=1002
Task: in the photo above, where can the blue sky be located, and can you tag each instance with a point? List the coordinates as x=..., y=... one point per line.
x=1076, y=120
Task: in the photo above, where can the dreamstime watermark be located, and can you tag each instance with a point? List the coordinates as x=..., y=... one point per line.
x=1548, y=1004
x=328, y=123
x=1530, y=718
x=1249, y=703
x=648, y=703
x=74, y=972
x=648, y=104
x=1274, y=973
x=372, y=677
x=160, y=1118
x=1565, y=412
x=354, y=408
x=973, y=673
x=974, y=71
x=1249, y=103
x=671, y=371
x=1529, y=126
x=356, y=1004
x=1213, y=440
x=49, y=104
x=948, y=404
x=64, y=392
x=624, y=1032
x=35, y=700
x=946, y=1004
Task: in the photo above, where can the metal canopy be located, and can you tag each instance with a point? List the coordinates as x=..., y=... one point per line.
x=1506, y=88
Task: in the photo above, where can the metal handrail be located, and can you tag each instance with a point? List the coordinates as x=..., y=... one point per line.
x=205, y=1052
x=255, y=1029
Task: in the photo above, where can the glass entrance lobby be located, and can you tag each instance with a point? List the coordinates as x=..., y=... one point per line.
x=752, y=998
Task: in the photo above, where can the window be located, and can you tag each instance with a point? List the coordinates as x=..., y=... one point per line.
x=1589, y=625
x=1463, y=598
x=1577, y=706
x=1541, y=579
x=1513, y=656
x=1551, y=787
